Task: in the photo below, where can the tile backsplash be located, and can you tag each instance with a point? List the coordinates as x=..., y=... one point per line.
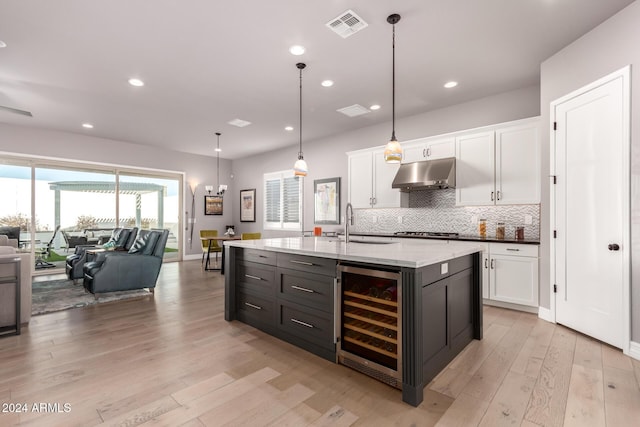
x=436, y=210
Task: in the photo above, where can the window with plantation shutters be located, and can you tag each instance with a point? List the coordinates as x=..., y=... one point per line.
x=282, y=201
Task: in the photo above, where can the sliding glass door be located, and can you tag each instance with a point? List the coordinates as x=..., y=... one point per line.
x=54, y=206
x=147, y=202
x=71, y=206
x=15, y=194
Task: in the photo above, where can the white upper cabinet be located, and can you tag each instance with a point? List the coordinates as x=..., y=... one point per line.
x=428, y=149
x=500, y=166
x=518, y=165
x=370, y=178
x=475, y=164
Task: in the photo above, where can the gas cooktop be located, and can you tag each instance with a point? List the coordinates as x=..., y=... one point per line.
x=427, y=234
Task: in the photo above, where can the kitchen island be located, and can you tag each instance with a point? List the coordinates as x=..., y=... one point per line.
x=303, y=290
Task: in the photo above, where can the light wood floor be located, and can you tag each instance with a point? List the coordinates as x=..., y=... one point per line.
x=173, y=360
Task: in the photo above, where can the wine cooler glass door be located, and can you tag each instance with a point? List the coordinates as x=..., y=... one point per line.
x=371, y=320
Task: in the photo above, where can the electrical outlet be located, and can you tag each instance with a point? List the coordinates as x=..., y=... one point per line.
x=374, y=219
x=528, y=219
x=474, y=219
x=400, y=219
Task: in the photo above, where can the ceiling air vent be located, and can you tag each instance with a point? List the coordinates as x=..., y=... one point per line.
x=346, y=24
x=354, y=110
x=239, y=123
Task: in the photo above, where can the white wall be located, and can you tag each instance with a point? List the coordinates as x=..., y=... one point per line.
x=609, y=47
x=64, y=146
x=326, y=158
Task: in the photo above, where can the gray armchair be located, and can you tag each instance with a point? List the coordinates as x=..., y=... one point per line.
x=123, y=239
x=137, y=268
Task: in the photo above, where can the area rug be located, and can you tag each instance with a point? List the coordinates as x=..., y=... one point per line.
x=58, y=295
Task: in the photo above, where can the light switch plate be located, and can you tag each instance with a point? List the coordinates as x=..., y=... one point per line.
x=400, y=219
x=474, y=219
x=374, y=219
x=444, y=268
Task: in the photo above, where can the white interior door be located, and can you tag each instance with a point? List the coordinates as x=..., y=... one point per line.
x=592, y=210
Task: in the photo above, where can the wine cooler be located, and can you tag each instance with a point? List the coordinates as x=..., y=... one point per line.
x=370, y=338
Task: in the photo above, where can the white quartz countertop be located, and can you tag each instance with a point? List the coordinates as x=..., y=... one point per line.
x=413, y=254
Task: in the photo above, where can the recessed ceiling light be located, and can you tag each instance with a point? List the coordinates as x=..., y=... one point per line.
x=296, y=50
x=451, y=84
x=136, y=82
x=87, y=125
x=327, y=83
x=239, y=123
x=374, y=107
x=288, y=128
x=2, y=44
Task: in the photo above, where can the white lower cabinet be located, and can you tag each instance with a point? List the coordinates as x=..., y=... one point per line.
x=510, y=273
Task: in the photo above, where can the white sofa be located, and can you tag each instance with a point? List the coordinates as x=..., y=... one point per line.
x=7, y=292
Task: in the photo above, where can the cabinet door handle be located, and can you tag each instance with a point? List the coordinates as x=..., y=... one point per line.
x=301, y=262
x=498, y=195
x=299, y=288
x=300, y=322
x=375, y=200
x=493, y=264
x=429, y=152
x=257, y=307
x=492, y=196
x=614, y=247
x=424, y=152
x=486, y=263
x=253, y=277
x=262, y=256
x=513, y=249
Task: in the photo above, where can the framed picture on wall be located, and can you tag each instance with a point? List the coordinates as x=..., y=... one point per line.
x=213, y=205
x=248, y=205
x=326, y=201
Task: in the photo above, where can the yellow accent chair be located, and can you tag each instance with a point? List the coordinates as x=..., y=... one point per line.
x=215, y=247
x=251, y=236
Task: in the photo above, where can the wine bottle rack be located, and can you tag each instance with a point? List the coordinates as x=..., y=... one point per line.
x=371, y=322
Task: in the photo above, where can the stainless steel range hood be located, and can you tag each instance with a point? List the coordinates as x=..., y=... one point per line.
x=429, y=174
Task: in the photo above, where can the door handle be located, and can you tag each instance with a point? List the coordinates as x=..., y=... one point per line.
x=614, y=247
x=493, y=263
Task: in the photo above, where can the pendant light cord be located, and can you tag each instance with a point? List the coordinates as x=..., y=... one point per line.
x=300, y=152
x=393, y=84
x=218, y=167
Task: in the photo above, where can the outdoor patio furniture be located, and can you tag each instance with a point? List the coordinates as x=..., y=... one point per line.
x=72, y=241
x=136, y=268
x=44, y=252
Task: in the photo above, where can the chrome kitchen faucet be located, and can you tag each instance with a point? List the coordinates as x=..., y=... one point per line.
x=348, y=220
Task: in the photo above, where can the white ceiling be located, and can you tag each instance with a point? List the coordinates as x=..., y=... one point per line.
x=207, y=62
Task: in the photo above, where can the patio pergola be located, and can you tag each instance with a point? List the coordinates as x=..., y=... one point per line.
x=135, y=188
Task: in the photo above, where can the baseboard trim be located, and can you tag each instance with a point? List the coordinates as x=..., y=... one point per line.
x=545, y=314
x=192, y=257
x=634, y=350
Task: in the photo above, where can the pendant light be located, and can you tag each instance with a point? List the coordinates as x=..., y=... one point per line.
x=300, y=168
x=393, y=150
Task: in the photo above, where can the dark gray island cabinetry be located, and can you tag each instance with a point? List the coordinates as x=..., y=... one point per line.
x=426, y=308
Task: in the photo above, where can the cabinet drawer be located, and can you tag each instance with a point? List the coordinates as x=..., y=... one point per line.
x=256, y=277
x=306, y=323
x=256, y=255
x=255, y=310
x=308, y=264
x=307, y=288
x=513, y=249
